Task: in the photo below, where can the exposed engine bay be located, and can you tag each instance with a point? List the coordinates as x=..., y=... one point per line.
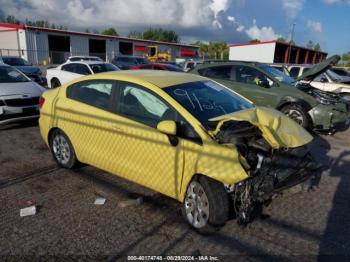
x=270, y=170
x=322, y=96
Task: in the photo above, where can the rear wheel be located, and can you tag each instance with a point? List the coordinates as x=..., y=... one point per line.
x=206, y=205
x=55, y=83
x=62, y=150
x=297, y=113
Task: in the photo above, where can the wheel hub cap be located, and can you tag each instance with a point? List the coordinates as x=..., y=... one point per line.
x=196, y=205
x=61, y=149
x=295, y=115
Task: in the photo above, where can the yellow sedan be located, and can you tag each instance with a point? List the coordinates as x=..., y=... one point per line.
x=182, y=135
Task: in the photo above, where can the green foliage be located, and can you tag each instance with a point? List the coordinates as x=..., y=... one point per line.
x=317, y=47
x=281, y=40
x=345, y=59
x=110, y=31
x=135, y=34
x=314, y=46
x=157, y=34
x=213, y=50
x=38, y=23
x=255, y=40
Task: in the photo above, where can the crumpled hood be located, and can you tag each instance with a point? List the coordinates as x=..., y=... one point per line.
x=319, y=68
x=278, y=130
x=29, y=70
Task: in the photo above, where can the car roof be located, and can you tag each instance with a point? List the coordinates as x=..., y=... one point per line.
x=85, y=62
x=227, y=63
x=159, y=78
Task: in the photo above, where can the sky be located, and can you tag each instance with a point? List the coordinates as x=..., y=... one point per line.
x=326, y=22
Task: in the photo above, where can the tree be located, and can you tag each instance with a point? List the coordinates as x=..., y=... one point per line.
x=110, y=31
x=135, y=34
x=281, y=39
x=317, y=47
x=310, y=44
x=255, y=40
x=346, y=59
x=158, y=34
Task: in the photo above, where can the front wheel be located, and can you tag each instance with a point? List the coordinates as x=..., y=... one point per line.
x=206, y=205
x=297, y=113
x=62, y=150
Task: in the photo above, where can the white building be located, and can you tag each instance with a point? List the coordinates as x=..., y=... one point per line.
x=275, y=52
x=39, y=45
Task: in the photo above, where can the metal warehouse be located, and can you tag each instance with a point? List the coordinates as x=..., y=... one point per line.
x=275, y=52
x=44, y=45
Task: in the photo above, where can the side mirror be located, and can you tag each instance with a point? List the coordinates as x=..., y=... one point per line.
x=167, y=127
x=264, y=83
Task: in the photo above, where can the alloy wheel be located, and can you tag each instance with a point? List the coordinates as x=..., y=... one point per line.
x=61, y=149
x=196, y=205
x=296, y=116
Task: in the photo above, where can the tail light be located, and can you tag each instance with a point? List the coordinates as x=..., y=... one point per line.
x=41, y=102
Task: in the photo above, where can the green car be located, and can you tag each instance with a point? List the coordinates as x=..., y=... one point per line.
x=315, y=110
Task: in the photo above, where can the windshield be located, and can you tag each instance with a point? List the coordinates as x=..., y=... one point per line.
x=15, y=61
x=99, y=68
x=10, y=75
x=142, y=61
x=335, y=77
x=206, y=100
x=280, y=76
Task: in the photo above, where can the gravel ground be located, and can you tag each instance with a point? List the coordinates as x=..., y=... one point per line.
x=68, y=226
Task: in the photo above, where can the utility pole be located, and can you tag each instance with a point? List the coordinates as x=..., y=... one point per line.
x=290, y=42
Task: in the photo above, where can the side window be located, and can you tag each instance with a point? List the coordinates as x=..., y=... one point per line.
x=69, y=68
x=82, y=69
x=221, y=72
x=95, y=93
x=143, y=106
x=249, y=75
x=294, y=72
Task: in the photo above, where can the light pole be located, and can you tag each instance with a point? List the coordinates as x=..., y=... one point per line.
x=290, y=42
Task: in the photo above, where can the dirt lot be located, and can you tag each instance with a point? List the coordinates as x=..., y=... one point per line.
x=307, y=225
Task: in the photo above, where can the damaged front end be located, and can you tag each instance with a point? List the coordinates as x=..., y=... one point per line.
x=273, y=161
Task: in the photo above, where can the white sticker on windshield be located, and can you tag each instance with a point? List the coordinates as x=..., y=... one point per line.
x=14, y=74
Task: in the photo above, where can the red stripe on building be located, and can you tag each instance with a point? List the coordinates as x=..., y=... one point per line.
x=187, y=52
x=140, y=48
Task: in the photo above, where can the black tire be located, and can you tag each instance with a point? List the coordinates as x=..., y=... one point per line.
x=55, y=83
x=298, y=114
x=62, y=152
x=218, y=205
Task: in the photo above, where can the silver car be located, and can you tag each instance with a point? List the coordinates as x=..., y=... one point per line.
x=19, y=96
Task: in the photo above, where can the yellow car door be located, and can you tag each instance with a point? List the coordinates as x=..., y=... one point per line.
x=85, y=117
x=137, y=150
